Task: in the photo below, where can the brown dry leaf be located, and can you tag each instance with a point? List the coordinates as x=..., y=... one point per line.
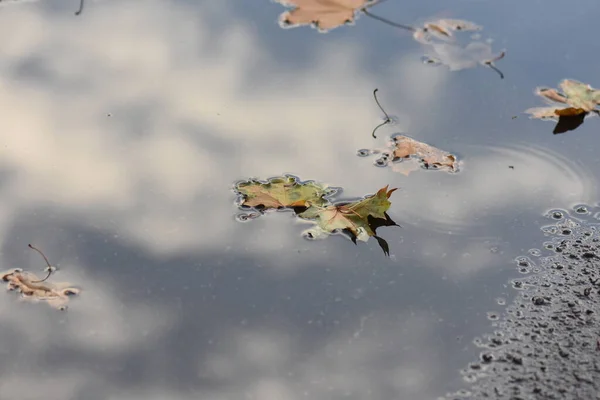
x=32, y=289
x=324, y=14
x=430, y=156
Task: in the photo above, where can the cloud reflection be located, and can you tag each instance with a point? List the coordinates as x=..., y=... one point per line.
x=132, y=122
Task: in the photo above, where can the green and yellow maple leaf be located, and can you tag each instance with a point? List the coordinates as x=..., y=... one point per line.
x=281, y=192
x=359, y=219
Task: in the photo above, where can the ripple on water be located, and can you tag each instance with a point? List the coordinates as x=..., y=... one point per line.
x=461, y=202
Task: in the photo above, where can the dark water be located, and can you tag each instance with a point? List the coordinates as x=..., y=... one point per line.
x=124, y=129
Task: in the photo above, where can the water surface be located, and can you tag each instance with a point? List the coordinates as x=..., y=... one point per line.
x=124, y=129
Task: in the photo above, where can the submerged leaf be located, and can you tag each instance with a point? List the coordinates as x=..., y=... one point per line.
x=359, y=219
x=443, y=28
x=442, y=48
x=581, y=99
x=34, y=289
x=281, y=192
x=323, y=14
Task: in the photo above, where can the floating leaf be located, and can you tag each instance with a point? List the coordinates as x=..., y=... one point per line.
x=323, y=14
x=281, y=192
x=311, y=202
x=359, y=219
x=406, y=155
x=442, y=48
x=35, y=289
x=580, y=95
x=581, y=99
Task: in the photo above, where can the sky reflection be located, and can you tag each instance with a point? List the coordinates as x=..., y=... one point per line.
x=123, y=131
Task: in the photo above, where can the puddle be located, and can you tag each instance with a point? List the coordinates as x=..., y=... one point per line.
x=124, y=128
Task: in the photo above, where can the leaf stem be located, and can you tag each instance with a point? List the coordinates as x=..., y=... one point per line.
x=45, y=259
x=387, y=117
x=78, y=12
x=387, y=21
x=490, y=63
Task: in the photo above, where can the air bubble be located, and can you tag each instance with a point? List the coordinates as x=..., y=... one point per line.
x=242, y=217
x=380, y=162
x=363, y=152
x=551, y=230
x=501, y=301
x=535, y=252
x=523, y=262
x=517, y=284
x=309, y=235
x=332, y=191
x=538, y=301
x=492, y=316
x=486, y=358
x=430, y=60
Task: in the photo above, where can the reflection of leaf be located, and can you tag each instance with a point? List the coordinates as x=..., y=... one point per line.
x=281, y=192
x=405, y=154
x=442, y=48
x=568, y=123
x=580, y=98
x=33, y=289
x=359, y=219
x=323, y=14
